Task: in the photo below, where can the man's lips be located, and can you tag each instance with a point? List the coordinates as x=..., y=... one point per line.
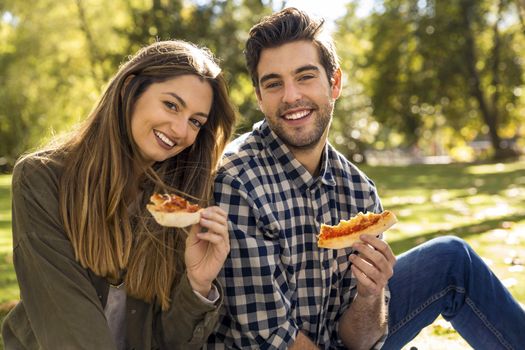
x=164, y=139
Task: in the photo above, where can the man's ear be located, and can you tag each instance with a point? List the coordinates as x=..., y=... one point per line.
x=337, y=83
x=125, y=84
x=259, y=98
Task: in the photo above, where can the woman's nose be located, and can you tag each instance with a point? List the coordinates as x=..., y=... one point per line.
x=179, y=126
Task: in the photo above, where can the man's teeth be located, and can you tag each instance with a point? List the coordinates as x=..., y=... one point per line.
x=296, y=115
x=164, y=138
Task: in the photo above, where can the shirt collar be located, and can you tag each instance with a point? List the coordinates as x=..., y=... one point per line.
x=295, y=171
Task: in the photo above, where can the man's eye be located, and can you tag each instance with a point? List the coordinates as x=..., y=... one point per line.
x=272, y=85
x=306, y=77
x=171, y=105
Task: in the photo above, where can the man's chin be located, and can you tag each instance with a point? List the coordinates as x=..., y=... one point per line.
x=303, y=145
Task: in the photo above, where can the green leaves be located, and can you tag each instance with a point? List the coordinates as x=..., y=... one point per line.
x=429, y=66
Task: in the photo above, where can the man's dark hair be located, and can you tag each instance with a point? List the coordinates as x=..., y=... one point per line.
x=284, y=27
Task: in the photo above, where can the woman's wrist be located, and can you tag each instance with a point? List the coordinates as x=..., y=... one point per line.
x=201, y=288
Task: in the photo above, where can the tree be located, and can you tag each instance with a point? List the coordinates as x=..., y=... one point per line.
x=453, y=61
x=39, y=81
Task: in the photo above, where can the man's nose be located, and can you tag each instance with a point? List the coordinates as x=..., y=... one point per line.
x=291, y=93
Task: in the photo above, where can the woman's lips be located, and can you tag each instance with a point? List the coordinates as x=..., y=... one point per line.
x=164, y=140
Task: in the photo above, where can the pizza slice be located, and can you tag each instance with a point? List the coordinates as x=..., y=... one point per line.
x=344, y=234
x=173, y=211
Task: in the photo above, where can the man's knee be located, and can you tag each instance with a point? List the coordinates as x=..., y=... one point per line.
x=449, y=250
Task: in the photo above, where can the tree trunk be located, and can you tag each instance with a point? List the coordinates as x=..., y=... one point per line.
x=520, y=4
x=489, y=113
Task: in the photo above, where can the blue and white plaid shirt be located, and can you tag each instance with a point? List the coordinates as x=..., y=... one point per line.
x=276, y=280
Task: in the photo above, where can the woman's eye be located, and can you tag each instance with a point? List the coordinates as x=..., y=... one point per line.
x=171, y=105
x=197, y=123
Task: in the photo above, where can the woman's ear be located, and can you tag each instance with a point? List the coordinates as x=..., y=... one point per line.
x=125, y=85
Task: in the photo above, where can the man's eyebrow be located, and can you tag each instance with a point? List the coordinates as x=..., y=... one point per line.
x=183, y=103
x=305, y=68
x=297, y=71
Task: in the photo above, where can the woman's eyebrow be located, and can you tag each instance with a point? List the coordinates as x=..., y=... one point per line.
x=183, y=103
x=177, y=97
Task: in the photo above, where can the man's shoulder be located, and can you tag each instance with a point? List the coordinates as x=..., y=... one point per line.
x=247, y=150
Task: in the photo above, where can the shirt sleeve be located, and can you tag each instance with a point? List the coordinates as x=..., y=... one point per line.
x=60, y=301
x=190, y=319
x=257, y=288
x=211, y=298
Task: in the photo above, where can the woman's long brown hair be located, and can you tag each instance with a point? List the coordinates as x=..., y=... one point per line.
x=103, y=173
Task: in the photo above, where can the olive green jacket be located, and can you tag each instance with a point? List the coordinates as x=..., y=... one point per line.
x=62, y=304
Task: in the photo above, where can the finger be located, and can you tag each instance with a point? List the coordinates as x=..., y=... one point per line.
x=192, y=238
x=214, y=216
x=211, y=224
x=215, y=210
x=369, y=270
x=373, y=256
x=215, y=227
x=193, y=229
x=362, y=278
x=217, y=241
x=381, y=246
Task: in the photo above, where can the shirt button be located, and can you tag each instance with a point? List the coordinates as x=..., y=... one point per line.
x=133, y=311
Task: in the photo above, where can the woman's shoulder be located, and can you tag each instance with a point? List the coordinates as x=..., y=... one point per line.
x=38, y=168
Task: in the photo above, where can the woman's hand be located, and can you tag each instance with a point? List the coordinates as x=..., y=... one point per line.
x=206, y=251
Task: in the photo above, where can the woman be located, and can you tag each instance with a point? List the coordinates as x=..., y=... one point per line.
x=95, y=271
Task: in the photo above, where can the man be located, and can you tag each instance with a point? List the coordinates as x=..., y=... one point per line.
x=282, y=180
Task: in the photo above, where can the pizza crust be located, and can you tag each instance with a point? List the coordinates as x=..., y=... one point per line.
x=386, y=220
x=171, y=210
x=174, y=219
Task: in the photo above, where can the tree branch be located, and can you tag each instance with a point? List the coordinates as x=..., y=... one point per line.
x=93, y=51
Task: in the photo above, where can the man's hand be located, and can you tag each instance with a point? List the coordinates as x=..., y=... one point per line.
x=373, y=267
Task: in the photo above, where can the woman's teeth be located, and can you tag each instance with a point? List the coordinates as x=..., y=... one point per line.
x=164, y=138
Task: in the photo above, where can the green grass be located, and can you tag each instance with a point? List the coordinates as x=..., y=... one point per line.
x=484, y=204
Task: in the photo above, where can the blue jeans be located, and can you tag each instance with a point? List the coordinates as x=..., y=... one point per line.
x=445, y=276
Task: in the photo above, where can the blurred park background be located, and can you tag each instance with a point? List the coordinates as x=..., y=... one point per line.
x=433, y=106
